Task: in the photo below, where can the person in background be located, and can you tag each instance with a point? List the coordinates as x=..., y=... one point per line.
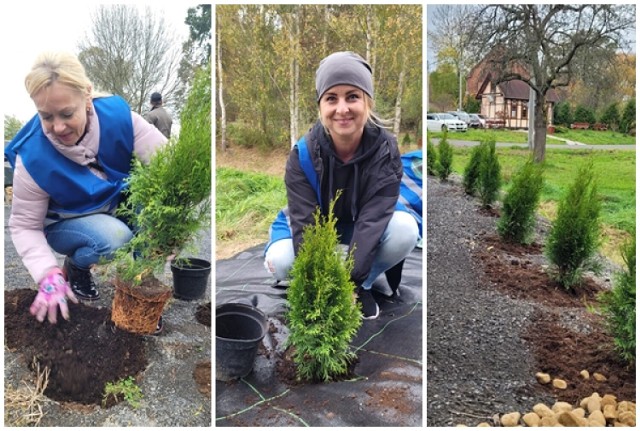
x=71, y=162
x=158, y=116
x=347, y=149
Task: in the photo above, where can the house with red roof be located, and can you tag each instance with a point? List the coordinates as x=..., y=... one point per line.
x=504, y=104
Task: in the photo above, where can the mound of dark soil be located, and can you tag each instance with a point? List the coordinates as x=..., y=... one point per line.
x=564, y=338
x=82, y=354
x=203, y=314
x=563, y=353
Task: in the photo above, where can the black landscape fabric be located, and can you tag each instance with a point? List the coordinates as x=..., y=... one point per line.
x=386, y=389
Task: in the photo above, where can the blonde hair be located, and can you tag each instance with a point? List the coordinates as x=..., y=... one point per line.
x=373, y=119
x=61, y=67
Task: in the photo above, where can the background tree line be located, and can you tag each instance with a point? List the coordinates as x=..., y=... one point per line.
x=602, y=74
x=132, y=53
x=267, y=55
x=582, y=49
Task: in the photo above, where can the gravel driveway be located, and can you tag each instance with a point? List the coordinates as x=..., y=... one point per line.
x=477, y=364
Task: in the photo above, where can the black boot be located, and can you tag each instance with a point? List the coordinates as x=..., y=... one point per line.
x=81, y=281
x=394, y=275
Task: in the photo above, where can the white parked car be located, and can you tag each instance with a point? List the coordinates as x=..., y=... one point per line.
x=435, y=124
x=453, y=124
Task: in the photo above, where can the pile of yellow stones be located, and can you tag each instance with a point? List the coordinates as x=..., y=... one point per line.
x=594, y=410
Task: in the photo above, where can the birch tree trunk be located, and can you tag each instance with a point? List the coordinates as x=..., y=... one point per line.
x=370, y=37
x=398, y=108
x=294, y=76
x=325, y=31
x=223, y=112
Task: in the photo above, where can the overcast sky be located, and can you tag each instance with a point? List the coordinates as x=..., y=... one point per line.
x=28, y=28
x=431, y=55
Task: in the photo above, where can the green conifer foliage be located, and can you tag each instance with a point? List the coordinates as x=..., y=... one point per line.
x=432, y=158
x=489, y=176
x=575, y=235
x=619, y=305
x=472, y=170
x=323, y=316
x=444, y=166
x=518, y=216
x=169, y=199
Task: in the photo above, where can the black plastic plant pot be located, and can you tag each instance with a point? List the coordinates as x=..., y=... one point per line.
x=239, y=331
x=190, y=276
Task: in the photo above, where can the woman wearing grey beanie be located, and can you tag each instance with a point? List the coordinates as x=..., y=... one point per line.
x=347, y=149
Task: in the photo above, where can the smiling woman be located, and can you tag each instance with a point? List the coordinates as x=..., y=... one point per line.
x=343, y=112
x=347, y=152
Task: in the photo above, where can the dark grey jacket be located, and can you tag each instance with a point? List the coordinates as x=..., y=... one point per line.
x=160, y=118
x=370, y=184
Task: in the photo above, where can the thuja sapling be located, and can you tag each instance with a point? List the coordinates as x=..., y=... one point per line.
x=618, y=305
x=323, y=315
x=472, y=170
x=168, y=203
x=169, y=200
x=575, y=234
x=489, y=179
x=432, y=158
x=518, y=218
x=444, y=165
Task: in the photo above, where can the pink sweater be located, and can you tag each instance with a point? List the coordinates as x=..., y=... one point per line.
x=30, y=202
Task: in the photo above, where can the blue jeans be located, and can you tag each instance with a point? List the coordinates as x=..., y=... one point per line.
x=398, y=240
x=88, y=239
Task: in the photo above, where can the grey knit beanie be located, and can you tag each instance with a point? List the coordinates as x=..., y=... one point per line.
x=343, y=68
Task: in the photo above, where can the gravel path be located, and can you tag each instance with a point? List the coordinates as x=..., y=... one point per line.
x=477, y=364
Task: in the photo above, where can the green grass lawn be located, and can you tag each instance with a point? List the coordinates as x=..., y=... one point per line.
x=591, y=137
x=615, y=170
x=246, y=204
x=595, y=137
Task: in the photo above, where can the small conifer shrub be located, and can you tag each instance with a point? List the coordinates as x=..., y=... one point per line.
x=444, y=165
x=432, y=158
x=169, y=200
x=323, y=315
x=518, y=216
x=472, y=170
x=575, y=235
x=488, y=182
x=619, y=305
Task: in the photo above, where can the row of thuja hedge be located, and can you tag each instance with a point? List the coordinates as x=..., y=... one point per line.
x=574, y=239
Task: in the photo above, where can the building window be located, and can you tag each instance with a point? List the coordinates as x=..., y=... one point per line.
x=524, y=111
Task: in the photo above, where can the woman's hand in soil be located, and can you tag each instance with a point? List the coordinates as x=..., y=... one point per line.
x=53, y=293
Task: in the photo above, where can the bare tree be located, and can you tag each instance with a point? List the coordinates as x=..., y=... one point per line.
x=452, y=37
x=131, y=54
x=540, y=45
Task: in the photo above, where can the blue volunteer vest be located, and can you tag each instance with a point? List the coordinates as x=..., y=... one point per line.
x=411, y=185
x=410, y=199
x=73, y=188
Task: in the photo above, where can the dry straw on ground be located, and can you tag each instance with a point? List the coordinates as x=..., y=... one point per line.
x=24, y=406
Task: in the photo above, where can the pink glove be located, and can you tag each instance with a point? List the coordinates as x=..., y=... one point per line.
x=53, y=292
